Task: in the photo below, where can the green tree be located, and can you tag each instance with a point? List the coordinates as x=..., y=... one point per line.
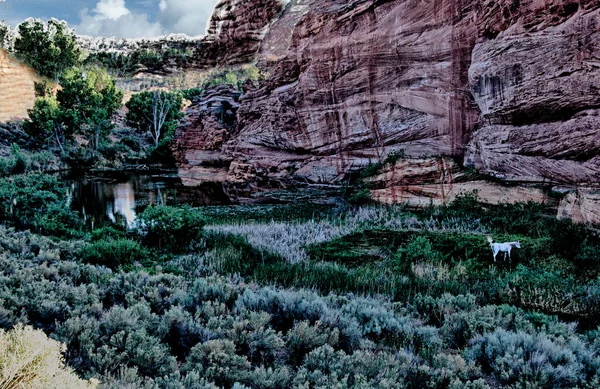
x=85, y=104
x=7, y=36
x=155, y=111
x=88, y=101
x=45, y=122
x=49, y=48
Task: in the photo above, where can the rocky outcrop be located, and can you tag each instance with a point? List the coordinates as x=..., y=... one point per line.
x=537, y=86
x=209, y=123
x=581, y=205
x=429, y=181
x=236, y=31
x=507, y=87
x=351, y=82
x=356, y=81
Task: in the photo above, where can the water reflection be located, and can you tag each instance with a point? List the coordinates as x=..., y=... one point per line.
x=118, y=198
x=124, y=203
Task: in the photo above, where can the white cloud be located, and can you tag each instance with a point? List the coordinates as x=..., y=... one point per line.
x=186, y=16
x=113, y=18
x=111, y=9
x=129, y=25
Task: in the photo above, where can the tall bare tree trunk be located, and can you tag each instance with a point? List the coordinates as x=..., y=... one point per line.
x=161, y=105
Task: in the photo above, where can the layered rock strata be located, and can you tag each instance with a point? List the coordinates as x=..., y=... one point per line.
x=509, y=88
x=537, y=86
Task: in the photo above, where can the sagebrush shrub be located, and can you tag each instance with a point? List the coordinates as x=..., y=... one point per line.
x=217, y=361
x=304, y=337
x=518, y=357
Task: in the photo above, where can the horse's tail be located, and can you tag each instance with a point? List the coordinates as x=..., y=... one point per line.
x=489, y=239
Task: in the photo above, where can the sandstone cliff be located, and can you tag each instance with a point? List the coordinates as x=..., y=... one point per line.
x=16, y=88
x=507, y=87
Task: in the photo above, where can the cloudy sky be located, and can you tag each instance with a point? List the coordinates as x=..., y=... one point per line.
x=120, y=18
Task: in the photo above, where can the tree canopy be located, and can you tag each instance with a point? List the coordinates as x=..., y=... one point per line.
x=50, y=48
x=155, y=111
x=6, y=36
x=88, y=100
x=85, y=104
x=45, y=121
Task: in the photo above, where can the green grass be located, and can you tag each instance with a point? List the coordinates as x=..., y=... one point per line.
x=232, y=214
x=402, y=254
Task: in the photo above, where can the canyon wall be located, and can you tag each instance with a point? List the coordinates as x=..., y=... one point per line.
x=506, y=87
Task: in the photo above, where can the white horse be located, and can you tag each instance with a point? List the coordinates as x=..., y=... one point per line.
x=504, y=247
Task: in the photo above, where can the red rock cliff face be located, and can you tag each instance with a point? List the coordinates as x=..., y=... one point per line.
x=509, y=86
x=236, y=30
x=537, y=84
x=356, y=81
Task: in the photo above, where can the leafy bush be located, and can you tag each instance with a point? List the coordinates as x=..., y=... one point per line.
x=234, y=77
x=112, y=151
x=161, y=154
x=44, y=121
x=191, y=93
x=169, y=227
x=42, y=89
x=20, y=164
x=58, y=220
x=109, y=233
x=37, y=201
x=130, y=142
x=361, y=197
x=113, y=253
x=419, y=249
x=77, y=157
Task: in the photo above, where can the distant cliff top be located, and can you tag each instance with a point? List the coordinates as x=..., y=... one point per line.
x=125, y=46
